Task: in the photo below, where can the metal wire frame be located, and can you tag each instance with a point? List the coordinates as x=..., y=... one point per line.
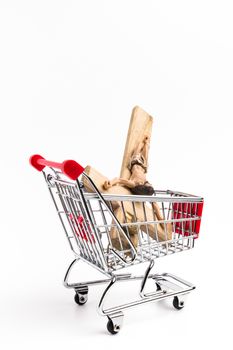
x=88, y=220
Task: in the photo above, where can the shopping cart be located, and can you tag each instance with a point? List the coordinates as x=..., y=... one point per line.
x=98, y=238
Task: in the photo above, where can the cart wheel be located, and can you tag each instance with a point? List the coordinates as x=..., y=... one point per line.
x=177, y=303
x=113, y=329
x=80, y=299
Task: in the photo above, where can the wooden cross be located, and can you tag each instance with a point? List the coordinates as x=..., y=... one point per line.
x=140, y=129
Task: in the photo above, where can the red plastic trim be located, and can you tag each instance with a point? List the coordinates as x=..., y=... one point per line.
x=69, y=167
x=186, y=210
x=34, y=162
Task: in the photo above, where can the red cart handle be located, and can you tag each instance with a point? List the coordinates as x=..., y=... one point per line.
x=69, y=167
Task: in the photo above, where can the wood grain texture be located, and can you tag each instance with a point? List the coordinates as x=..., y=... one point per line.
x=99, y=180
x=140, y=126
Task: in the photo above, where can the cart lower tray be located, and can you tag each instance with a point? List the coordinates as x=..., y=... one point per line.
x=166, y=286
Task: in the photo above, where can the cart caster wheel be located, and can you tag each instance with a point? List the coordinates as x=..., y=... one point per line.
x=177, y=303
x=112, y=328
x=81, y=295
x=80, y=299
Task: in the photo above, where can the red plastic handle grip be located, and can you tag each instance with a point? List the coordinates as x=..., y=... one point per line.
x=69, y=167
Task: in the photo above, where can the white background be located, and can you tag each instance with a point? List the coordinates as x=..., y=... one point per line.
x=70, y=74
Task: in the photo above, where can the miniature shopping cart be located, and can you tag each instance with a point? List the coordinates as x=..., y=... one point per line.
x=99, y=238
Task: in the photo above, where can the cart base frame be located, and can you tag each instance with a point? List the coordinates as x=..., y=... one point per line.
x=167, y=286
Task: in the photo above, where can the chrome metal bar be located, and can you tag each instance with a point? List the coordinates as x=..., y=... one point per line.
x=142, y=294
x=65, y=282
x=103, y=259
x=154, y=222
x=156, y=296
x=57, y=209
x=75, y=224
x=138, y=230
x=115, y=219
x=147, y=231
x=178, y=279
x=136, y=198
x=65, y=205
x=145, y=298
x=165, y=226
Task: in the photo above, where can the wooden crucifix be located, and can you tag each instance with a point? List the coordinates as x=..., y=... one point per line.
x=133, y=180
